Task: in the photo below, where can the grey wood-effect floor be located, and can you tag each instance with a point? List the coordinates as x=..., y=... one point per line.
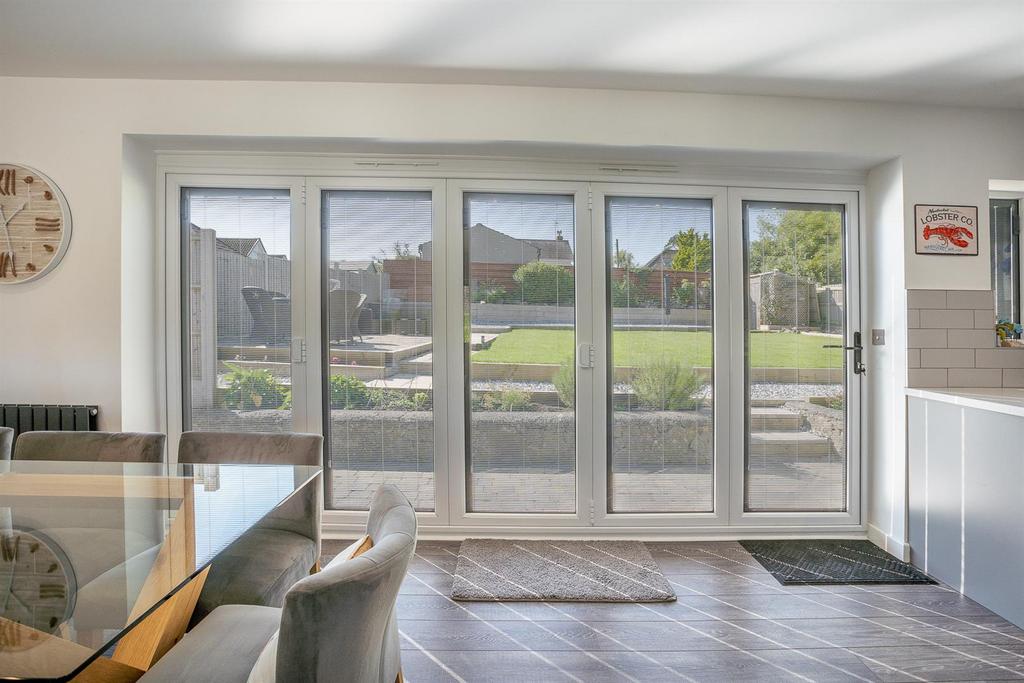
x=732, y=622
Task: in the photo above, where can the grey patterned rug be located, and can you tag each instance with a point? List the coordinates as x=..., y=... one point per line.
x=558, y=571
x=823, y=562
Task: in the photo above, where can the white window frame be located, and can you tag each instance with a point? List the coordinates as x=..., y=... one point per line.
x=739, y=517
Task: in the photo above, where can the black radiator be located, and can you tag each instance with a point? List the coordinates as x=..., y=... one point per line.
x=33, y=418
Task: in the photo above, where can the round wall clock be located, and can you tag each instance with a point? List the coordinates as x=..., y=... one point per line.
x=35, y=224
x=39, y=586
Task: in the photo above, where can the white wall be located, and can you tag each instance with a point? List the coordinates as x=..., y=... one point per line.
x=83, y=334
x=884, y=306
x=140, y=353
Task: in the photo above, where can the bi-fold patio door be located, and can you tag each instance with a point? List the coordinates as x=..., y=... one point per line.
x=535, y=354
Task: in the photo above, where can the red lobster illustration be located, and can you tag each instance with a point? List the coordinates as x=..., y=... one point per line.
x=949, y=233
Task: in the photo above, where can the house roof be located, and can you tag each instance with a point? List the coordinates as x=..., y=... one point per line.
x=664, y=257
x=241, y=245
x=553, y=249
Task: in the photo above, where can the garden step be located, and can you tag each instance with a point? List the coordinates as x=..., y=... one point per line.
x=789, y=443
x=775, y=420
x=767, y=402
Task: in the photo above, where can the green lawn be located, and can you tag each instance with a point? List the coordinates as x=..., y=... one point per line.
x=631, y=348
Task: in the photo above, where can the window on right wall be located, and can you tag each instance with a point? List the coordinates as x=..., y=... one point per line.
x=1005, y=230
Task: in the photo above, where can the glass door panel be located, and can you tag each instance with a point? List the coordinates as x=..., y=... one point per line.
x=519, y=328
x=660, y=355
x=796, y=391
x=377, y=337
x=237, y=309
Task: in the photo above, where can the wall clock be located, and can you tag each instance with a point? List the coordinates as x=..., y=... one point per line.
x=35, y=224
x=38, y=584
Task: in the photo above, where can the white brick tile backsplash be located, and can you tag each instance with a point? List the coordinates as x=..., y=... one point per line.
x=985, y=319
x=926, y=298
x=971, y=339
x=958, y=298
x=999, y=358
x=927, y=378
x=951, y=318
x=927, y=339
x=951, y=341
x=947, y=358
x=975, y=377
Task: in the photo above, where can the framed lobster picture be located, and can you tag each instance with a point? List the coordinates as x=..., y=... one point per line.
x=946, y=230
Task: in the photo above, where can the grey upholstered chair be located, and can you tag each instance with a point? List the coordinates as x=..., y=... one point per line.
x=260, y=566
x=338, y=625
x=6, y=442
x=108, y=538
x=91, y=446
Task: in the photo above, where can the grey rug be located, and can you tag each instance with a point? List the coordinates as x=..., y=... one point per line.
x=558, y=571
x=798, y=562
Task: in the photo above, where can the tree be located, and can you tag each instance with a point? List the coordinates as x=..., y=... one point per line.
x=403, y=251
x=805, y=243
x=623, y=258
x=693, y=251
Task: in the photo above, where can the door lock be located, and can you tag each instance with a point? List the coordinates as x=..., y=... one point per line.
x=586, y=356
x=857, y=348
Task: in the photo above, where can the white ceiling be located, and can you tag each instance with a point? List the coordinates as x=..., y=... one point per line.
x=939, y=51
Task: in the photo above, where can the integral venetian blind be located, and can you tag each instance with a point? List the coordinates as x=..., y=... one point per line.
x=35, y=224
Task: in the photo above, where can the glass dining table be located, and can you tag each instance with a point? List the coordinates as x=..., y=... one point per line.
x=102, y=563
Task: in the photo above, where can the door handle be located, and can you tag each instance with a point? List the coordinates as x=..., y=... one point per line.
x=858, y=350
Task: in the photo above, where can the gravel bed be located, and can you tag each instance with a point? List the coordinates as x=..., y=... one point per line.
x=758, y=390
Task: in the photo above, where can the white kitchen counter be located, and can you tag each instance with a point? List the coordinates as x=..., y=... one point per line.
x=965, y=475
x=1006, y=401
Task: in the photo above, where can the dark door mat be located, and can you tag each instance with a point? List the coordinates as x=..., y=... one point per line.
x=825, y=562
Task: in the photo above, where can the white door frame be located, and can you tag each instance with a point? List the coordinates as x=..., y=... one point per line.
x=721, y=363
x=315, y=187
x=450, y=516
x=458, y=482
x=175, y=284
x=850, y=200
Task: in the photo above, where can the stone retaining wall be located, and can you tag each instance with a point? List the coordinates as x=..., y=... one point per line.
x=534, y=441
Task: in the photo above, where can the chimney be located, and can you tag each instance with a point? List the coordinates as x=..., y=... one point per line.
x=558, y=235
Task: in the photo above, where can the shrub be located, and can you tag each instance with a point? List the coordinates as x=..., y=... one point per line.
x=667, y=384
x=630, y=291
x=507, y=400
x=348, y=393
x=390, y=399
x=545, y=283
x=683, y=295
x=421, y=401
x=492, y=293
x=565, y=383
x=253, y=389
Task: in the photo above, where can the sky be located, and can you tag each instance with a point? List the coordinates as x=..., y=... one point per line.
x=366, y=225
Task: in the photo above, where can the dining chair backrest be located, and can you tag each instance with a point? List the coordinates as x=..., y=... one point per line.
x=340, y=625
x=6, y=442
x=144, y=447
x=252, y=448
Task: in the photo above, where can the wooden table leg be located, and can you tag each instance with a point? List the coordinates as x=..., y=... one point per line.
x=150, y=640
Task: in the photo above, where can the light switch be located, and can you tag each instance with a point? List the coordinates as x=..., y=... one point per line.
x=878, y=337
